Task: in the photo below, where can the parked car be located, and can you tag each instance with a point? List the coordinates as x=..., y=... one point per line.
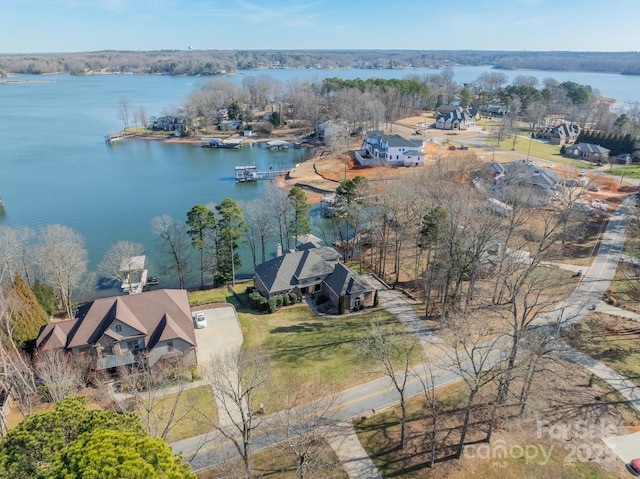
x=593, y=188
x=634, y=465
x=199, y=320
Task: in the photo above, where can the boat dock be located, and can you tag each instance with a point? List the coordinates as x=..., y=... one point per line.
x=110, y=139
x=232, y=143
x=277, y=145
x=251, y=173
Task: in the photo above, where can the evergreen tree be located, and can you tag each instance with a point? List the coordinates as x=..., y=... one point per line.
x=26, y=314
x=32, y=447
x=201, y=227
x=301, y=208
x=109, y=454
x=231, y=228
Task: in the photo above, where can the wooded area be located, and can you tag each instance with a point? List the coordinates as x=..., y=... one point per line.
x=212, y=62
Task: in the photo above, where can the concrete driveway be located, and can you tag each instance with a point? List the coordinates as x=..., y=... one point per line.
x=222, y=333
x=626, y=447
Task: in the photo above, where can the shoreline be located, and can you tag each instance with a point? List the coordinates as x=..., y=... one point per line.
x=305, y=175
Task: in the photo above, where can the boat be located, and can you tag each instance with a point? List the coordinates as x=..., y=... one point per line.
x=153, y=280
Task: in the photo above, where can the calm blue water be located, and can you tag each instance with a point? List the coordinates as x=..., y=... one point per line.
x=56, y=168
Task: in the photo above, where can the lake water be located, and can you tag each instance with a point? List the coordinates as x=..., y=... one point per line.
x=56, y=168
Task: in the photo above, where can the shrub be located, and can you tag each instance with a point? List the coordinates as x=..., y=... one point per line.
x=285, y=299
x=341, y=305
x=376, y=300
x=257, y=301
x=272, y=306
x=278, y=300
x=293, y=297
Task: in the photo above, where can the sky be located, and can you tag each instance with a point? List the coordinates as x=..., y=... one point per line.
x=39, y=26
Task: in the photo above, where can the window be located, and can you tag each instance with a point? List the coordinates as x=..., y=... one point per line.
x=132, y=345
x=170, y=346
x=118, y=328
x=108, y=351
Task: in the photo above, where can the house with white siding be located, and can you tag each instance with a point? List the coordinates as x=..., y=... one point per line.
x=391, y=150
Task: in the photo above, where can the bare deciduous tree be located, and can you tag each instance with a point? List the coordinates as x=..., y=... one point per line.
x=394, y=354
x=174, y=243
x=260, y=227
x=58, y=373
x=236, y=379
x=119, y=263
x=308, y=413
x=475, y=355
x=62, y=260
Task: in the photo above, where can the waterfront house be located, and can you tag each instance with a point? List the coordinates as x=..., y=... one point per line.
x=392, y=150
x=587, y=151
x=177, y=124
x=126, y=330
x=313, y=270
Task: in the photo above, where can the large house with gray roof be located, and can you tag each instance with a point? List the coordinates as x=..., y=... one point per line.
x=562, y=134
x=125, y=330
x=456, y=119
x=392, y=150
x=587, y=151
x=310, y=269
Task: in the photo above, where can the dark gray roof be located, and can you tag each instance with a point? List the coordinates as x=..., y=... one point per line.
x=455, y=115
x=590, y=148
x=297, y=267
x=345, y=281
x=531, y=174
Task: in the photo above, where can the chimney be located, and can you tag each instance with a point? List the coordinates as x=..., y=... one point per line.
x=278, y=250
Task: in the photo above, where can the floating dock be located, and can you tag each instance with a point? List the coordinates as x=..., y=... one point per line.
x=251, y=173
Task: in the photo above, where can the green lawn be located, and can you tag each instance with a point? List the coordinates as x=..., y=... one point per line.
x=630, y=171
x=303, y=344
x=613, y=341
x=195, y=412
x=538, y=149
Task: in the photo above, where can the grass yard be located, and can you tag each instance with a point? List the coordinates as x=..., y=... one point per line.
x=538, y=149
x=277, y=463
x=218, y=295
x=195, y=412
x=305, y=345
x=631, y=171
x=611, y=340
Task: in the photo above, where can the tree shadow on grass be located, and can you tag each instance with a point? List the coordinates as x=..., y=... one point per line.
x=298, y=328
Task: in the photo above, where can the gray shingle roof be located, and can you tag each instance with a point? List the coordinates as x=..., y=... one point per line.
x=345, y=281
x=296, y=268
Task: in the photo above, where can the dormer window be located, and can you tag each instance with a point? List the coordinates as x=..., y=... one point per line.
x=118, y=328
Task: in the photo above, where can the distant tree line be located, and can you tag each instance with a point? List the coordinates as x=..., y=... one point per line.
x=210, y=62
